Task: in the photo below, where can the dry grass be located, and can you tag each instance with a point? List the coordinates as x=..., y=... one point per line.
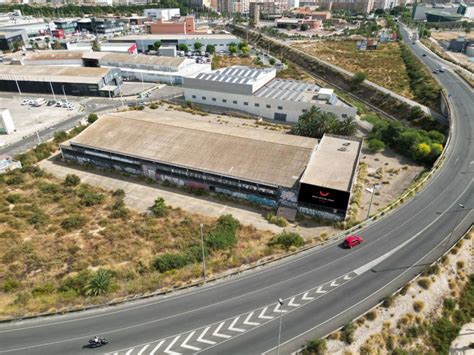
x=36, y=251
x=383, y=66
x=222, y=61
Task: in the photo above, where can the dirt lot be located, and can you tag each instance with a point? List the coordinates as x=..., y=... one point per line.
x=383, y=66
x=392, y=174
x=448, y=35
x=222, y=61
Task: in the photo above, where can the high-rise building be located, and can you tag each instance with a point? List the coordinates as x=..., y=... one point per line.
x=233, y=6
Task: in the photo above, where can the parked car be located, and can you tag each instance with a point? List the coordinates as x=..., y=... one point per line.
x=51, y=103
x=25, y=102
x=352, y=241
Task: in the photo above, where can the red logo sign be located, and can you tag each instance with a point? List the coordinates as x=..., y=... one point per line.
x=324, y=194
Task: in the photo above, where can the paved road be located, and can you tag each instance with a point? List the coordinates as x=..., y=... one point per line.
x=322, y=289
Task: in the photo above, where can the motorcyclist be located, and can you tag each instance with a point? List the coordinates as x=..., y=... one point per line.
x=97, y=340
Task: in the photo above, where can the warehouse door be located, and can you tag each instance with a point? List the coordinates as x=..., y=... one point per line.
x=279, y=116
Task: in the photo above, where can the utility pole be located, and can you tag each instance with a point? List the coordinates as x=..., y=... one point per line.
x=38, y=137
x=374, y=187
x=51, y=85
x=203, y=254
x=64, y=93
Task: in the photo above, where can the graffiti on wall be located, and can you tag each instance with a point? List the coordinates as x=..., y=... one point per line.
x=249, y=197
x=321, y=214
x=288, y=198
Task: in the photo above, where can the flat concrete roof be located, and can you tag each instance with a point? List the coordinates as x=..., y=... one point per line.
x=333, y=163
x=52, y=73
x=256, y=155
x=135, y=59
x=175, y=36
x=53, y=55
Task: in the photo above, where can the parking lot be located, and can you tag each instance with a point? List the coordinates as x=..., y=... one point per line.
x=28, y=118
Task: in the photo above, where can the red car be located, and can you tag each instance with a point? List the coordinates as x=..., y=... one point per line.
x=352, y=241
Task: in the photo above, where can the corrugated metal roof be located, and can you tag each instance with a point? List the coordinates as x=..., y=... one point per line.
x=249, y=154
x=234, y=74
x=289, y=90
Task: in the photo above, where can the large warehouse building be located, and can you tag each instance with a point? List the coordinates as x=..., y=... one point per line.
x=259, y=93
x=60, y=80
x=264, y=167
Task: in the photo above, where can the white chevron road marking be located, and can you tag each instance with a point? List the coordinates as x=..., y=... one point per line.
x=278, y=310
x=320, y=290
x=143, y=349
x=334, y=284
x=168, y=351
x=347, y=277
x=262, y=316
x=247, y=320
x=187, y=346
x=232, y=326
x=292, y=303
x=129, y=351
x=157, y=347
x=202, y=340
x=217, y=334
x=306, y=298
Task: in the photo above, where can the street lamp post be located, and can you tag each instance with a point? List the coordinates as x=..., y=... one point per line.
x=203, y=255
x=374, y=187
x=280, y=301
x=64, y=93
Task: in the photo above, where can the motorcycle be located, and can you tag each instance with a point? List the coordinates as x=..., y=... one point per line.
x=96, y=343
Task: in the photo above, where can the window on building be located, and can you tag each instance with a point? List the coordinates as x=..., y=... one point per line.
x=213, y=99
x=257, y=105
x=235, y=102
x=246, y=103
x=224, y=100
x=269, y=106
x=204, y=97
x=194, y=96
x=280, y=107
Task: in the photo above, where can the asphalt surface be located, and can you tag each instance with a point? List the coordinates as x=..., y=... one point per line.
x=322, y=289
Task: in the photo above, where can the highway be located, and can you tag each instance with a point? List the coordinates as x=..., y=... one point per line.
x=322, y=288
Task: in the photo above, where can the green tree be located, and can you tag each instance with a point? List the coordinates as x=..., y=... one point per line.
x=92, y=118
x=168, y=262
x=159, y=207
x=56, y=45
x=211, y=49
x=197, y=46
x=183, y=47
x=100, y=283
x=157, y=45
x=421, y=152
x=358, y=78
x=96, y=45
x=287, y=239
x=376, y=145
x=72, y=180
x=271, y=61
x=245, y=51
x=232, y=50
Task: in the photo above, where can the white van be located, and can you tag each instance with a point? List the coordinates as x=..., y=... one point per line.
x=38, y=102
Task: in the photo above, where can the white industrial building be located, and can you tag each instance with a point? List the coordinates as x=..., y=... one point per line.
x=161, y=14
x=259, y=93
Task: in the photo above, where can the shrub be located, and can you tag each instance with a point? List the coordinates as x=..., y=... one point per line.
x=372, y=315
x=60, y=136
x=449, y=304
x=100, y=283
x=37, y=218
x=74, y=221
x=418, y=306
x=220, y=238
x=119, y=193
x=424, y=283
x=287, y=239
x=159, y=207
x=388, y=301
x=376, y=145
x=48, y=188
x=13, y=198
x=89, y=199
x=227, y=221
x=76, y=283
x=92, y=118
x=347, y=334
x=279, y=221
x=168, y=262
x=442, y=333
x=16, y=179
x=315, y=347
x=10, y=285
x=72, y=180
x=46, y=289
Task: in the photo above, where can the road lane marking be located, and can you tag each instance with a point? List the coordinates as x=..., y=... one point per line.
x=247, y=320
x=277, y=309
x=202, y=340
x=157, y=347
x=263, y=316
x=292, y=303
x=220, y=335
x=233, y=328
x=129, y=352
x=186, y=345
x=334, y=284
x=306, y=297
x=143, y=349
x=320, y=290
x=171, y=352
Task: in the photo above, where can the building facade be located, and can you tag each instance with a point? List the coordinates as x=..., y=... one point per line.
x=186, y=26
x=12, y=40
x=162, y=14
x=259, y=93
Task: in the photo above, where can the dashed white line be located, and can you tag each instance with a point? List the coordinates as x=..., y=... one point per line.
x=202, y=340
x=186, y=345
x=217, y=334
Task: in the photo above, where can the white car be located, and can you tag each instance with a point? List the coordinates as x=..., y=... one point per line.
x=26, y=102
